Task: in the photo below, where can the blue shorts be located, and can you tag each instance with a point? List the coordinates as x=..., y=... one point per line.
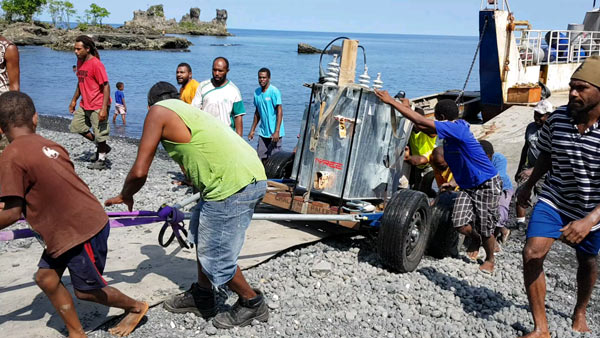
x=218, y=229
x=546, y=222
x=85, y=262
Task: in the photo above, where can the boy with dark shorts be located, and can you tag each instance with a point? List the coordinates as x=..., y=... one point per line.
x=38, y=179
x=267, y=100
x=475, y=212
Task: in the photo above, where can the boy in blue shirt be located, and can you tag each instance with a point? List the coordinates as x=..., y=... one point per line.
x=267, y=100
x=500, y=163
x=475, y=212
x=120, y=106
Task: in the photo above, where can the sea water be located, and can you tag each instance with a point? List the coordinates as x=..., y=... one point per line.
x=416, y=64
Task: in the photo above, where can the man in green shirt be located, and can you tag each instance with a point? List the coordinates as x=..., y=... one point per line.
x=232, y=181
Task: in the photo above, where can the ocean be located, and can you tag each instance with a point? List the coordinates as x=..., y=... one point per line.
x=416, y=64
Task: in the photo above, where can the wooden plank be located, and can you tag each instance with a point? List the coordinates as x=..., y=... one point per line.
x=283, y=200
x=348, y=63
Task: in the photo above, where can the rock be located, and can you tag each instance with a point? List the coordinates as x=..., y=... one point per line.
x=321, y=268
x=124, y=41
x=193, y=16
x=305, y=48
x=154, y=19
x=21, y=34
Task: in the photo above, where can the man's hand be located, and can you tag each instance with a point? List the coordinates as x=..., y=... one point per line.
x=120, y=200
x=72, y=106
x=103, y=115
x=275, y=137
x=251, y=135
x=524, y=196
x=574, y=232
x=525, y=174
x=384, y=96
x=448, y=187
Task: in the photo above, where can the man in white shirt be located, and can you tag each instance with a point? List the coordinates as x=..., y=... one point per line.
x=220, y=97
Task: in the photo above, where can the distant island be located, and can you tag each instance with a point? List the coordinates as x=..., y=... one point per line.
x=146, y=31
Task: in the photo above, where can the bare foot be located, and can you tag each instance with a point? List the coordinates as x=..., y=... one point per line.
x=580, y=324
x=497, y=249
x=537, y=334
x=473, y=249
x=487, y=267
x=130, y=321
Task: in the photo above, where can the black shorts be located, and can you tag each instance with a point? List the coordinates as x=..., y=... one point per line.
x=85, y=262
x=266, y=147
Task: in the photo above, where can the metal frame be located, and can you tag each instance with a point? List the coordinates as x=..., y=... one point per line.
x=565, y=46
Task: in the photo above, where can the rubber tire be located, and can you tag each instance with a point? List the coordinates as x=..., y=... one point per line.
x=394, y=232
x=445, y=240
x=279, y=165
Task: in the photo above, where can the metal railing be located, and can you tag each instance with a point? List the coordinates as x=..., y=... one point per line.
x=538, y=47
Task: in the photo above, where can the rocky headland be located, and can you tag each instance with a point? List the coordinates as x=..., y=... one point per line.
x=146, y=31
x=190, y=24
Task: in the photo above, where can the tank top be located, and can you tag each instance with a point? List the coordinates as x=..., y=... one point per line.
x=217, y=160
x=3, y=73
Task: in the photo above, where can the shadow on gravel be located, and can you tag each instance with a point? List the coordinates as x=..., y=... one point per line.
x=477, y=300
x=38, y=309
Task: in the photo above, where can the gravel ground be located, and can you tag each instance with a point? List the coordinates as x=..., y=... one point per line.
x=338, y=288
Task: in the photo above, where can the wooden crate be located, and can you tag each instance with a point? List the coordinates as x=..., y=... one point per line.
x=524, y=94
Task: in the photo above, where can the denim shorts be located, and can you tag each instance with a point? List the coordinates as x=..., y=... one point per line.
x=218, y=229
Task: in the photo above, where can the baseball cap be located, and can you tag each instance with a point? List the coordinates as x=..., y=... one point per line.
x=543, y=107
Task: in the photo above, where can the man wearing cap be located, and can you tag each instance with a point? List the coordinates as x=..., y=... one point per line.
x=231, y=179
x=530, y=153
x=568, y=208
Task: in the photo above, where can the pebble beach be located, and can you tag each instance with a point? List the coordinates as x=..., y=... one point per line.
x=338, y=286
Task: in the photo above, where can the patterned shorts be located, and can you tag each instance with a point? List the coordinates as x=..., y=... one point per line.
x=479, y=207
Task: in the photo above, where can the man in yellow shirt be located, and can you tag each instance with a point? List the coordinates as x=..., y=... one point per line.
x=188, y=85
x=421, y=145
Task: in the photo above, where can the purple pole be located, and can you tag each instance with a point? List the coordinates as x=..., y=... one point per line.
x=114, y=223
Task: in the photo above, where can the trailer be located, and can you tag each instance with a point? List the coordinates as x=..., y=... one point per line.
x=349, y=162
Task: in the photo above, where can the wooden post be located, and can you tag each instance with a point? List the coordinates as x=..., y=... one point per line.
x=348, y=63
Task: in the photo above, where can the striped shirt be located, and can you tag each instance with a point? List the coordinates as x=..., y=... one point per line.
x=572, y=185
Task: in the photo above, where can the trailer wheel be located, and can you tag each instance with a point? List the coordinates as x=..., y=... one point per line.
x=279, y=165
x=445, y=240
x=404, y=230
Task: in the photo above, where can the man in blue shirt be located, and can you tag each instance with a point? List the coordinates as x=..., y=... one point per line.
x=500, y=163
x=475, y=212
x=267, y=100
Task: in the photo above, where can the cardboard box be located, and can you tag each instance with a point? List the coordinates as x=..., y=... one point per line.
x=524, y=94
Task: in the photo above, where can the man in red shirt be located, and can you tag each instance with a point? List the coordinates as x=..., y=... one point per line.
x=94, y=90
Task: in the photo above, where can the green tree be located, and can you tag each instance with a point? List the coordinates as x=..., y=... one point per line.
x=69, y=11
x=97, y=13
x=25, y=9
x=55, y=10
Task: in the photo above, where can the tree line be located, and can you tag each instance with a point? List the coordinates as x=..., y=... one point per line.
x=61, y=12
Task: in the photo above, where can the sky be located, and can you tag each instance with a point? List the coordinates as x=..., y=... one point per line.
x=436, y=17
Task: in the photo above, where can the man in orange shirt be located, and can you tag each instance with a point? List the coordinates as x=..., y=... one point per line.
x=188, y=85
